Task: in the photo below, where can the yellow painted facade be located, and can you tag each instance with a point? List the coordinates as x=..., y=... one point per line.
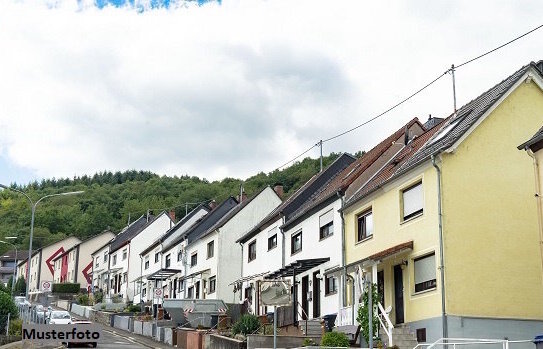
x=390, y=231
x=489, y=222
x=490, y=215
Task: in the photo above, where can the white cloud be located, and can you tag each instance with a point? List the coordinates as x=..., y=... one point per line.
x=234, y=89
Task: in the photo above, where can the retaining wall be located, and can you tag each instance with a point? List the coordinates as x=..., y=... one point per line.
x=121, y=322
x=215, y=341
x=138, y=327
x=260, y=341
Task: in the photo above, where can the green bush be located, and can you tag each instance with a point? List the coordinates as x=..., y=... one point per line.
x=82, y=299
x=15, y=327
x=116, y=298
x=7, y=306
x=20, y=287
x=308, y=342
x=335, y=339
x=66, y=288
x=98, y=297
x=133, y=308
x=363, y=316
x=247, y=324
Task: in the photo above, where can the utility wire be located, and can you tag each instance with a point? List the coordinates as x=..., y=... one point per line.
x=499, y=47
x=295, y=158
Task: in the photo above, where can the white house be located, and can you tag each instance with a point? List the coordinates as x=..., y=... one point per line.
x=100, y=268
x=151, y=260
x=124, y=271
x=216, y=257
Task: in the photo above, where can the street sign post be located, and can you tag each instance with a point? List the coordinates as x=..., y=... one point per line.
x=46, y=286
x=276, y=293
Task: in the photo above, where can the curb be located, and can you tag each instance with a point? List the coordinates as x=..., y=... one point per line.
x=134, y=339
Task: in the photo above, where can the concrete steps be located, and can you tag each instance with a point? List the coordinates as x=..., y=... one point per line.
x=402, y=336
x=314, y=327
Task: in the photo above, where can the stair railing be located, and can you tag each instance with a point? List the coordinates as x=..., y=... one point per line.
x=387, y=325
x=298, y=308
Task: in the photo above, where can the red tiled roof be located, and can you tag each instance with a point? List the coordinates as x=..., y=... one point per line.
x=391, y=251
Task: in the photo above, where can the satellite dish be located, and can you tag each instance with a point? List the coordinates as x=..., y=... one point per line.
x=275, y=293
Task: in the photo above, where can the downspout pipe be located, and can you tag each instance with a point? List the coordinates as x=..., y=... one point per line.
x=538, y=199
x=441, y=259
x=343, y=256
x=240, y=291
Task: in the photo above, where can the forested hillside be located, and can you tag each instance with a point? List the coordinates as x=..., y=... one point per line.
x=111, y=199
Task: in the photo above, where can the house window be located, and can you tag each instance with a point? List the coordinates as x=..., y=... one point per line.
x=421, y=335
x=330, y=285
x=194, y=259
x=296, y=242
x=425, y=273
x=105, y=257
x=412, y=201
x=326, y=223
x=180, y=255
x=144, y=292
x=157, y=257
x=210, y=249
x=125, y=254
x=125, y=277
x=146, y=262
x=252, y=251
x=114, y=261
x=168, y=260
x=97, y=264
x=190, y=292
x=212, y=284
x=249, y=294
x=272, y=242
x=181, y=284
x=364, y=226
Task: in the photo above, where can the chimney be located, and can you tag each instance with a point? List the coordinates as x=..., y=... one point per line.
x=172, y=215
x=278, y=188
x=212, y=204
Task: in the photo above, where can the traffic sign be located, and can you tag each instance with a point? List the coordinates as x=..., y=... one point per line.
x=158, y=292
x=46, y=286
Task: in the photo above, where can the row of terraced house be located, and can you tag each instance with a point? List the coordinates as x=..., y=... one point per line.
x=440, y=215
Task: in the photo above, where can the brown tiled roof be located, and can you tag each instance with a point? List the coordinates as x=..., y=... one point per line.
x=390, y=170
x=392, y=250
x=346, y=177
x=536, y=139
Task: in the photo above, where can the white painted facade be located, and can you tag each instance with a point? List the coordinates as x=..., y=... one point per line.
x=224, y=266
x=314, y=247
x=100, y=268
x=138, y=244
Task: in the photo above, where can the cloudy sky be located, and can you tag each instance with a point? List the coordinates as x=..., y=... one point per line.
x=235, y=87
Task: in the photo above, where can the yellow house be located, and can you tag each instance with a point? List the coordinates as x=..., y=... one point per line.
x=449, y=229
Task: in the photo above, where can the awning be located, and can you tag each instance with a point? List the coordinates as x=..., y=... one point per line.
x=193, y=275
x=113, y=270
x=247, y=278
x=163, y=274
x=377, y=257
x=297, y=267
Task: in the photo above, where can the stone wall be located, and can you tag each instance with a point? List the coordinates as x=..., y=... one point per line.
x=102, y=317
x=121, y=322
x=81, y=310
x=260, y=341
x=63, y=304
x=215, y=341
x=138, y=327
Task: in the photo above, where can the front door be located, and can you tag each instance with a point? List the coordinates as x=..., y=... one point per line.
x=305, y=303
x=197, y=289
x=316, y=295
x=398, y=293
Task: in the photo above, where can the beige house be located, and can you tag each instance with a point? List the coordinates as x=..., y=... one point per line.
x=75, y=264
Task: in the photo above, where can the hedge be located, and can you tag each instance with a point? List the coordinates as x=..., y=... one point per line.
x=66, y=288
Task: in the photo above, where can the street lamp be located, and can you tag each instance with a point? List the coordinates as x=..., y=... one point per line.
x=33, y=206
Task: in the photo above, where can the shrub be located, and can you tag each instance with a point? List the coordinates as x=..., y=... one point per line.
x=247, y=324
x=308, y=342
x=20, y=287
x=66, y=288
x=133, y=308
x=116, y=299
x=363, y=316
x=98, y=297
x=15, y=327
x=7, y=306
x=335, y=339
x=82, y=299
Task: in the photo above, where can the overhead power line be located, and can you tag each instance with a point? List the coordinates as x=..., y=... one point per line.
x=450, y=70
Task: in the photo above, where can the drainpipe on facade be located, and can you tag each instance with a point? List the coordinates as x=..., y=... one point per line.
x=343, y=257
x=76, y=268
x=538, y=199
x=241, y=245
x=141, y=280
x=441, y=259
x=282, y=242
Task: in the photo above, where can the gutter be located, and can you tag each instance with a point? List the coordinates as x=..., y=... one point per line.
x=538, y=199
x=441, y=259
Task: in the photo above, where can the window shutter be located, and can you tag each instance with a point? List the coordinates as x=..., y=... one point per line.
x=412, y=200
x=326, y=218
x=425, y=269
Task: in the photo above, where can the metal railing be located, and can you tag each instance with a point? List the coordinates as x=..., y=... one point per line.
x=387, y=325
x=299, y=306
x=454, y=342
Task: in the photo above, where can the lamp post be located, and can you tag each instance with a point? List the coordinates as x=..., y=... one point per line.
x=33, y=205
x=14, y=266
